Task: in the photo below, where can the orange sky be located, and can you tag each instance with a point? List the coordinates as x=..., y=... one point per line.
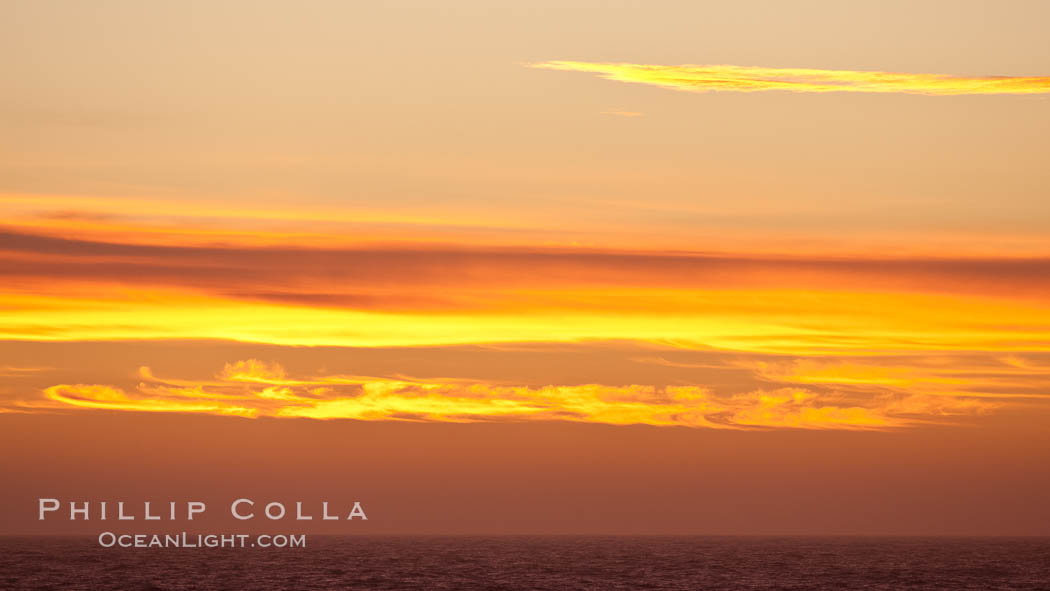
x=221, y=221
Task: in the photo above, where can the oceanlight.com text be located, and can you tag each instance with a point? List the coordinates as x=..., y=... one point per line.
x=185, y=540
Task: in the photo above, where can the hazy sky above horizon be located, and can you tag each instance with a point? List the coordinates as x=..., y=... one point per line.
x=652, y=226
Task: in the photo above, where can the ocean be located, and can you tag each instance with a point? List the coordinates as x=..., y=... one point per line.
x=537, y=562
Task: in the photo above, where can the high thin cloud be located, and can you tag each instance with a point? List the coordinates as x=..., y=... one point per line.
x=703, y=78
x=17, y=371
x=251, y=388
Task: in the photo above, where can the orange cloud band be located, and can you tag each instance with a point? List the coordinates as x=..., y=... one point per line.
x=61, y=289
x=702, y=78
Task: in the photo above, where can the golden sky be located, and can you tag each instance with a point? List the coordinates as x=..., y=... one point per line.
x=746, y=220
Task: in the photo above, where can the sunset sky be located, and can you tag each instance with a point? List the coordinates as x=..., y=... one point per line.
x=546, y=267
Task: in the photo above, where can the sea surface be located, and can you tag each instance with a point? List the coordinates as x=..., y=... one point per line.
x=542, y=562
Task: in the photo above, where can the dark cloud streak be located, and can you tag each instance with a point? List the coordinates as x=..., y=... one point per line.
x=368, y=276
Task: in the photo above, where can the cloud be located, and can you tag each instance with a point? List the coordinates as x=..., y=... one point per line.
x=251, y=388
x=68, y=289
x=703, y=78
x=13, y=371
x=253, y=370
x=622, y=113
x=109, y=398
x=392, y=277
x=986, y=377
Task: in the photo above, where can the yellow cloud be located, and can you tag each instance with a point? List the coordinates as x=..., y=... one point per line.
x=702, y=78
x=380, y=399
x=253, y=370
x=933, y=376
x=758, y=320
x=109, y=398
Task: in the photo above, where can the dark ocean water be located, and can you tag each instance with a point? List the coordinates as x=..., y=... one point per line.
x=554, y=562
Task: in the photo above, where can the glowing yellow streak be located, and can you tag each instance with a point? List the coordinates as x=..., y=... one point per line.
x=379, y=399
x=372, y=407
x=435, y=401
x=108, y=398
x=784, y=321
x=702, y=78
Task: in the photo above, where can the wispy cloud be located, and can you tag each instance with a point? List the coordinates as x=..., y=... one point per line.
x=703, y=78
x=8, y=371
x=252, y=388
x=622, y=113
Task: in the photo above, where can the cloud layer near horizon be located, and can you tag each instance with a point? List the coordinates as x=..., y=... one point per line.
x=828, y=341
x=703, y=78
x=866, y=398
